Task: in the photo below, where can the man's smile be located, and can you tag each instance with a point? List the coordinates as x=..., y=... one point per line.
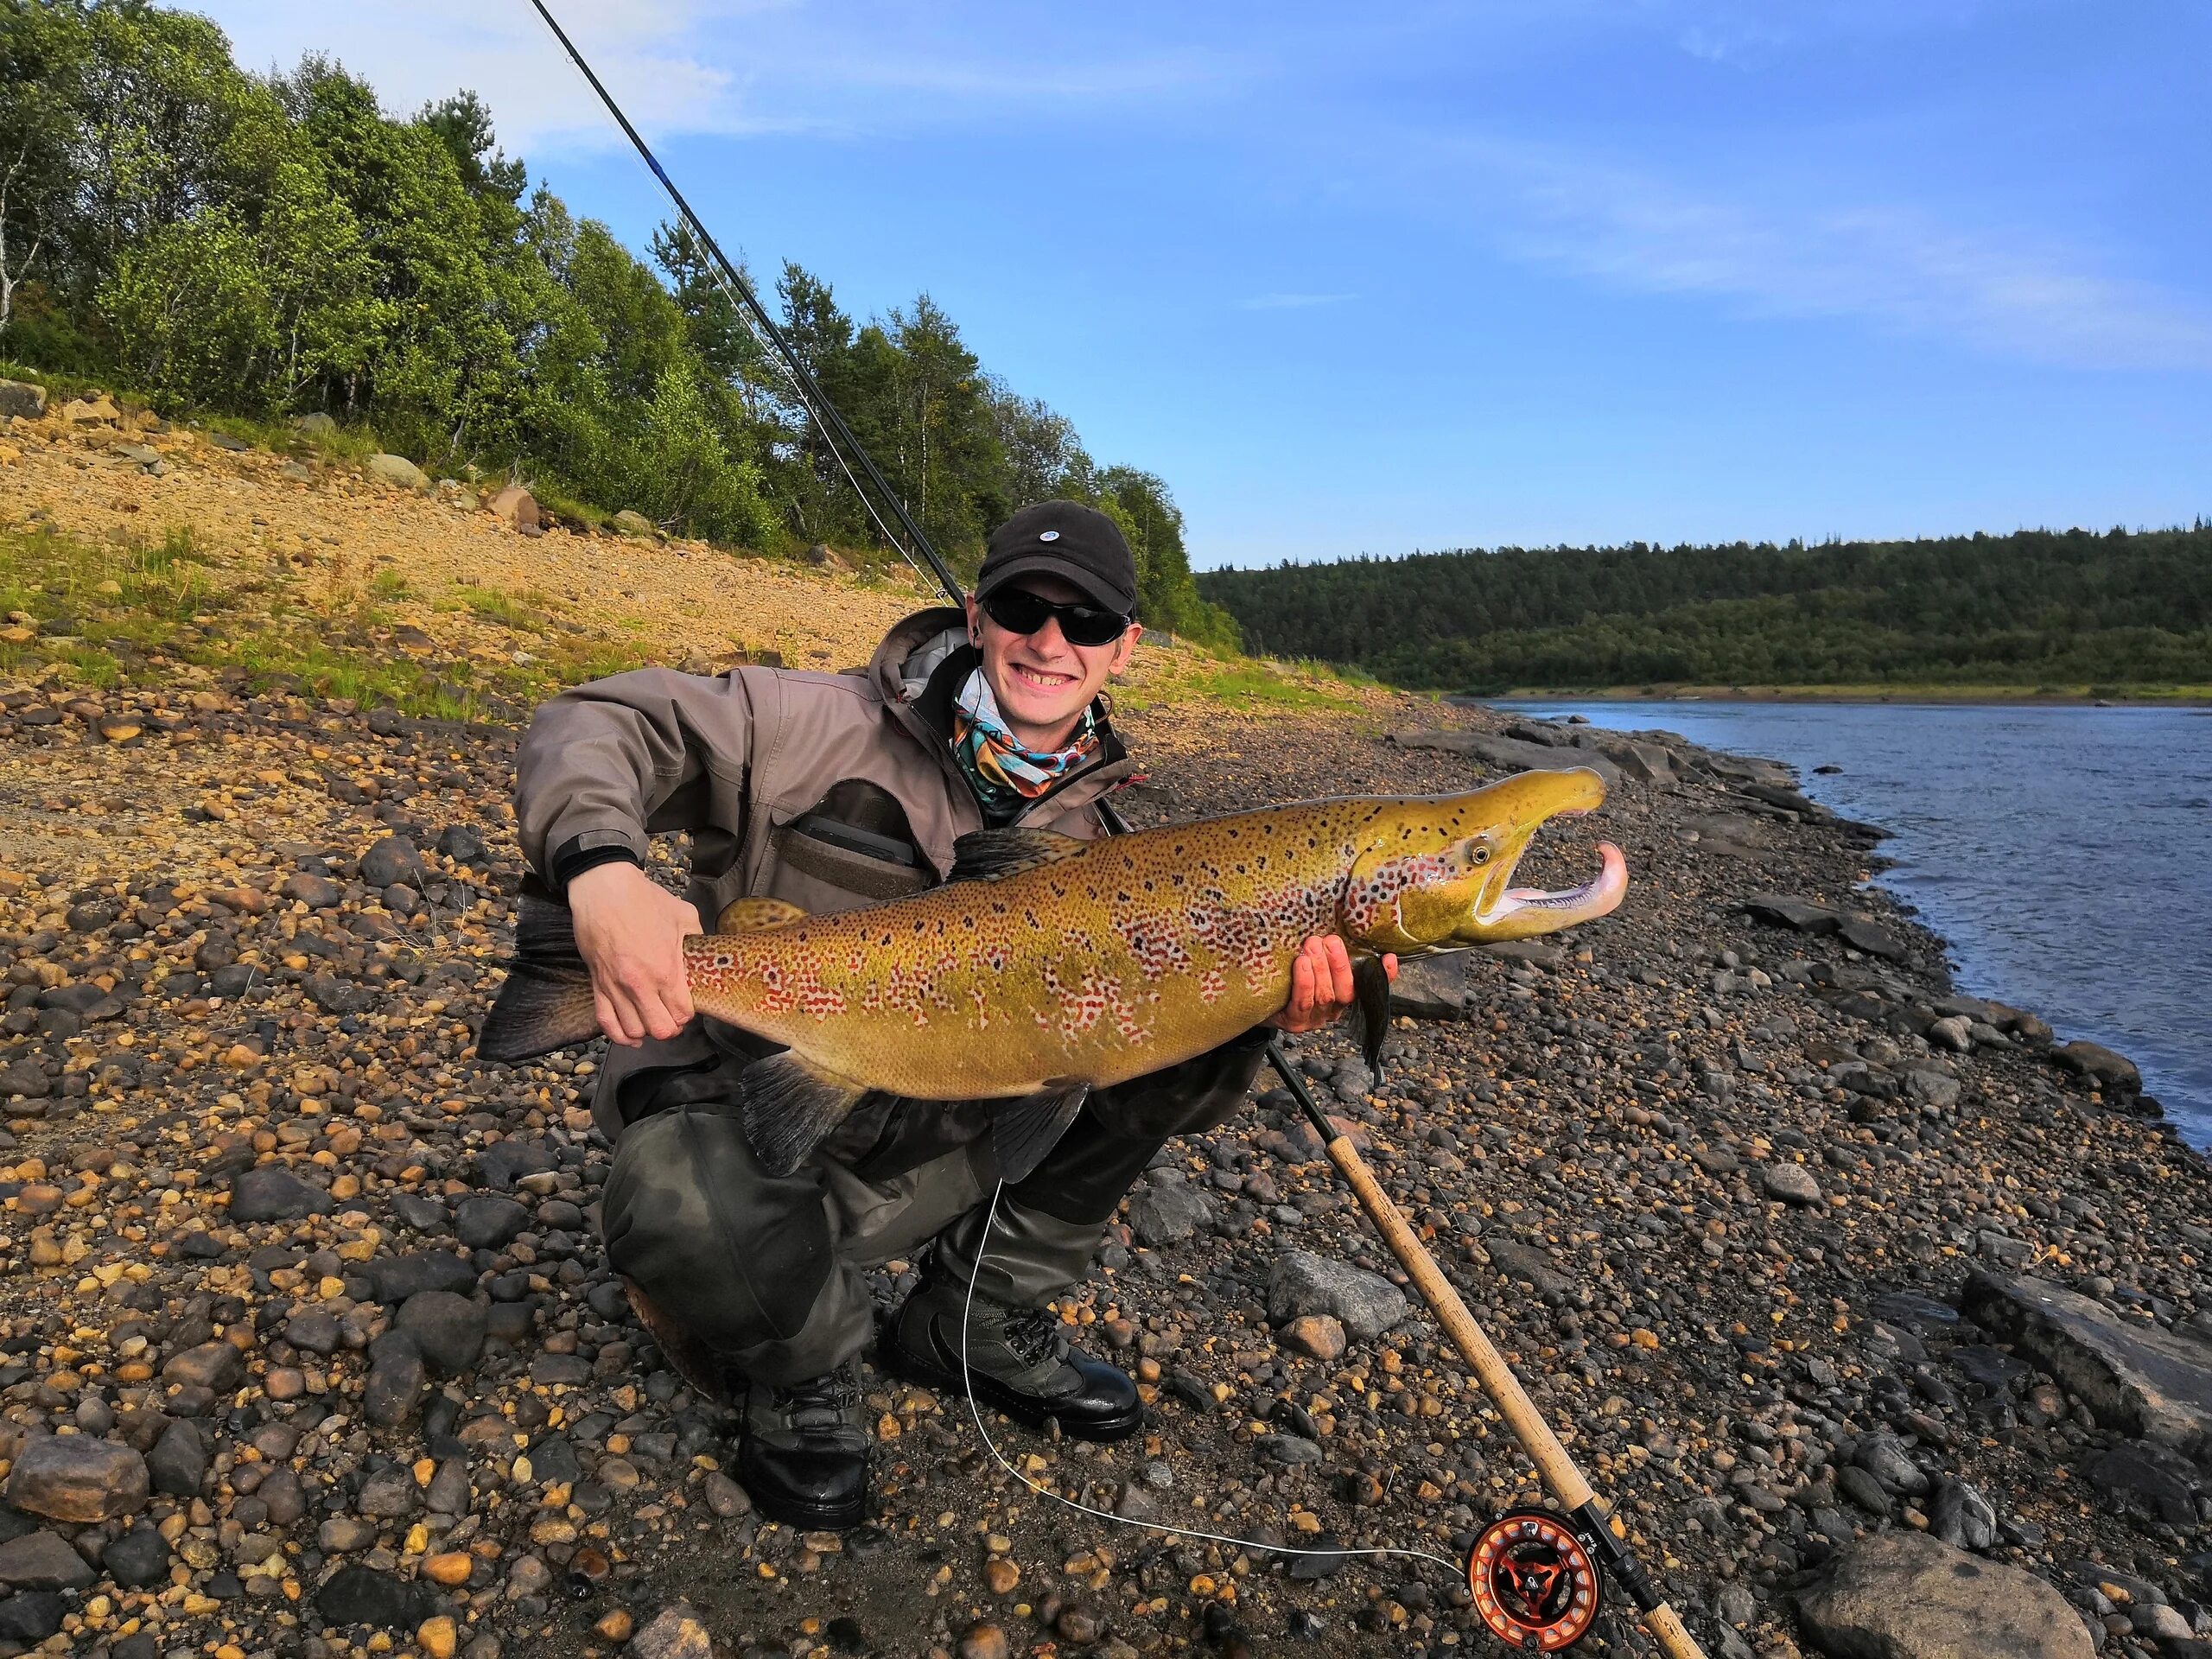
x=1040, y=679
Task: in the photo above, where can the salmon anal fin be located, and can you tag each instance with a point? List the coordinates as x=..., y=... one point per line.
x=987, y=854
x=788, y=1105
x=743, y=915
x=1371, y=986
x=1023, y=1131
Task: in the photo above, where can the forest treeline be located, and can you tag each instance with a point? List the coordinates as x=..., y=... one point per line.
x=270, y=246
x=2036, y=607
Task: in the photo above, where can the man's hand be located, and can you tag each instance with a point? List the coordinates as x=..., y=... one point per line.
x=1320, y=985
x=630, y=931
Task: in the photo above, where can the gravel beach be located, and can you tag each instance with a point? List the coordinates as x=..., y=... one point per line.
x=309, y=1348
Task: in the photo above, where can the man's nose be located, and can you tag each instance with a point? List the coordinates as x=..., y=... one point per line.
x=1050, y=638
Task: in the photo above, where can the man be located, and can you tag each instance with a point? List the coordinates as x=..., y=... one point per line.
x=829, y=791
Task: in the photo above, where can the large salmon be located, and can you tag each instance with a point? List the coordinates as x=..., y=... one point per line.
x=1047, y=966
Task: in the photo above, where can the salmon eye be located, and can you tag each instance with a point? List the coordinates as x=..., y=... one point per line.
x=1480, y=854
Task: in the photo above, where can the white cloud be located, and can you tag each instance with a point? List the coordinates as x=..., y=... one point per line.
x=732, y=67
x=2014, y=294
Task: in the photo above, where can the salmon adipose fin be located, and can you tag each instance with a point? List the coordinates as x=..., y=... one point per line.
x=987, y=854
x=1372, y=986
x=546, y=1001
x=1023, y=1131
x=789, y=1104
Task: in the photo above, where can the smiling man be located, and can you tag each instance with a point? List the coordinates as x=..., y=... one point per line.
x=829, y=791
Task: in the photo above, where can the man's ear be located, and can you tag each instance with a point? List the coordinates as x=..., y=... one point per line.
x=1127, y=648
x=974, y=625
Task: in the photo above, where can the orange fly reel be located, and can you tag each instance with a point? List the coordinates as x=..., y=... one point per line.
x=1534, y=1581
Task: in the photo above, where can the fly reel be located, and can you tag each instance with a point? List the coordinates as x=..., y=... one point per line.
x=1534, y=1581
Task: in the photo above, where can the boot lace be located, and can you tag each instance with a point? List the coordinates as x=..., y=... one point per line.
x=1034, y=1334
x=822, y=1401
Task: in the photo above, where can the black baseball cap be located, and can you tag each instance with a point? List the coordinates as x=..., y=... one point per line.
x=1065, y=539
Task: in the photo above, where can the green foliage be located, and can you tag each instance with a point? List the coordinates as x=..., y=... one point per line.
x=252, y=247
x=2036, y=606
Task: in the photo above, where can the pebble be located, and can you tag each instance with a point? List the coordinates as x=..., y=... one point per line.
x=448, y=1329
x=1791, y=1183
x=40, y=1560
x=674, y=1633
x=75, y=1477
x=1318, y=1336
x=363, y=1595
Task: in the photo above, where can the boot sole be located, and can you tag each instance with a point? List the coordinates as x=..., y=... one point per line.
x=894, y=1356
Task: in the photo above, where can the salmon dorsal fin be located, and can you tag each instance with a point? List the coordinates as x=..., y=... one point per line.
x=987, y=854
x=743, y=915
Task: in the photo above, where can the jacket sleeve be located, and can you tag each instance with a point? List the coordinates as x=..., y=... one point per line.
x=605, y=764
x=1197, y=1095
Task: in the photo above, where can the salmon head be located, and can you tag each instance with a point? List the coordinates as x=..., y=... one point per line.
x=1436, y=873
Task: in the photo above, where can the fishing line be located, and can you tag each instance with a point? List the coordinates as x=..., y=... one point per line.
x=975, y=1412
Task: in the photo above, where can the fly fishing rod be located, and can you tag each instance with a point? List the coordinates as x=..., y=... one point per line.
x=1534, y=1574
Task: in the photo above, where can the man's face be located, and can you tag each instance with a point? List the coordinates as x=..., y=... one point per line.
x=1042, y=683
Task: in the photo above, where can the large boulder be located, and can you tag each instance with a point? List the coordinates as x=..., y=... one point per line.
x=21, y=399
x=2152, y=1383
x=1168, y=1211
x=514, y=505
x=1301, y=1283
x=1431, y=988
x=1902, y=1595
x=2101, y=1066
x=397, y=469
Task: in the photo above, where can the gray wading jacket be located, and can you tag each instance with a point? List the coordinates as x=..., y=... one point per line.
x=828, y=791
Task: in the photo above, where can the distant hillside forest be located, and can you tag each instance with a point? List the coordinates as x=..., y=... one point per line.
x=2036, y=608
x=266, y=246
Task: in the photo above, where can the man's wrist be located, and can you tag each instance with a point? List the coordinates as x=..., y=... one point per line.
x=572, y=860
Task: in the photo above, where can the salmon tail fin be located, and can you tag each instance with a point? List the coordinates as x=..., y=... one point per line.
x=1023, y=1131
x=547, y=1002
x=788, y=1105
x=1371, y=986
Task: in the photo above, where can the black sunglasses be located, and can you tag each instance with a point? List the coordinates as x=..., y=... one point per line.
x=1020, y=612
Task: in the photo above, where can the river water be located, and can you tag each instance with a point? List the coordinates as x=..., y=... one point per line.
x=2065, y=853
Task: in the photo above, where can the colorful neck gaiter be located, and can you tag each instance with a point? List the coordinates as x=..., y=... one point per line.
x=1004, y=772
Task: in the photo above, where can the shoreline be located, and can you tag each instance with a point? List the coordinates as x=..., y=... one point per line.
x=1717, y=1175
x=2196, y=697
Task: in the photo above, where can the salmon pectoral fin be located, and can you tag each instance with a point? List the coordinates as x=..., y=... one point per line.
x=1024, y=1130
x=546, y=1003
x=787, y=1105
x=1371, y=986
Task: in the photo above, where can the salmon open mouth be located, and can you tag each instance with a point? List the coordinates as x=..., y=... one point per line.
x=1597, y=897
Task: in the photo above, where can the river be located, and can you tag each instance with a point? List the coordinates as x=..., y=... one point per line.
x=2065, y=853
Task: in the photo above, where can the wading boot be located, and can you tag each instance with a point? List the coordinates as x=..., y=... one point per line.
x=1017, y=1362
x=803, y=1451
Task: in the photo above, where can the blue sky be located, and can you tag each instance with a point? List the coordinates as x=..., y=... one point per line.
x=1531, y=272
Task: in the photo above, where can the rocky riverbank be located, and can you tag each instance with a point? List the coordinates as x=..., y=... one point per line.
x=1825, y=1270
